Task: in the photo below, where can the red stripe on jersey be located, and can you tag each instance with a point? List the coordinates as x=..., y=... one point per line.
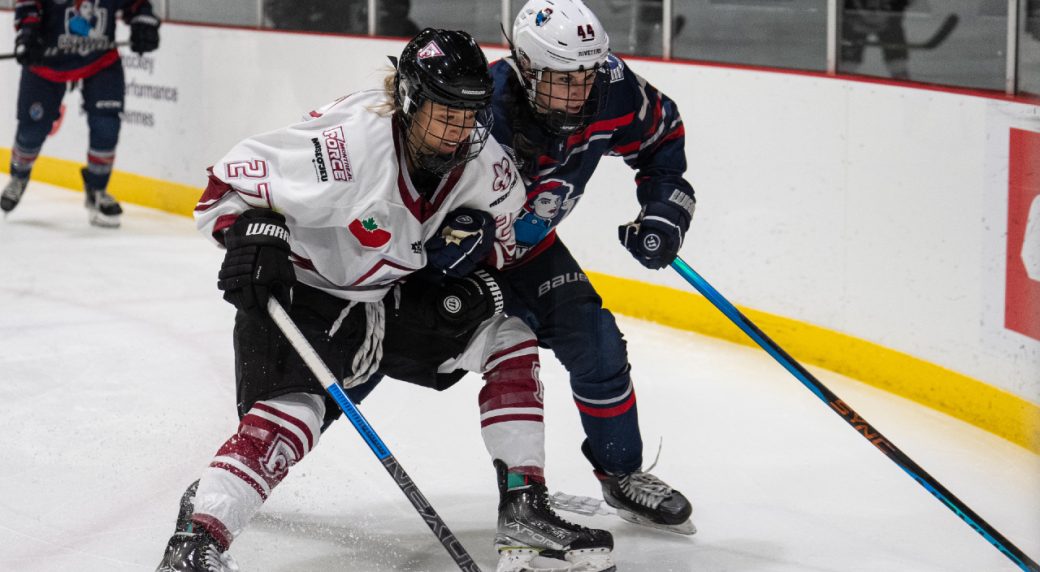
x=287, y=417
x=241, y=475
x=215, y=190
x=110, y=57
x=680, y=132
x=610, y=411
x=382, y=262
x=223, y=222
x=601, y=125
x=626, y=149
x=506, y=418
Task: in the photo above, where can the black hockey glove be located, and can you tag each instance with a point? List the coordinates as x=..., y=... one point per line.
x=257, y=264
x=447, y=306
x=144, y=33
x=657, y=233
x=29, y=48
x=463, y=242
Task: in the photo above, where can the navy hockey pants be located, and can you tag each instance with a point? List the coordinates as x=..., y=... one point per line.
x=552, y=294
x=39, y=103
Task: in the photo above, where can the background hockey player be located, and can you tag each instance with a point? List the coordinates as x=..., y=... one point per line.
x=60, y=45
x=562, y=102
x=372, y=189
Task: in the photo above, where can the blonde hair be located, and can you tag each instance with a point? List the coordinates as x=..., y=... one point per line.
x=389, y=106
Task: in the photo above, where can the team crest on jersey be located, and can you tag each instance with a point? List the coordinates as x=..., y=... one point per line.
x=505, y=176
x=431, y=50
x=369, y=232
x=548, y=204
x=85, y=29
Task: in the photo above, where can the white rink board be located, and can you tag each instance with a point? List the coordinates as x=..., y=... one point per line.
x=873, y=210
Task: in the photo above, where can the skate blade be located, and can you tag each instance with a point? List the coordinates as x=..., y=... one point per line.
x=686, y=528
x=522, y=559
x=101, y=220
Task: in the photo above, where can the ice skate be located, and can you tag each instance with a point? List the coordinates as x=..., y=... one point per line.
x=641, y=498
x=190, y=549
x=195, y=552
x=12, y=194
x=532, y=538
x=102, y=209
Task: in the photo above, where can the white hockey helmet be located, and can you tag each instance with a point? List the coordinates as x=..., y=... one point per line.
x=551, y=36
x=560, y=35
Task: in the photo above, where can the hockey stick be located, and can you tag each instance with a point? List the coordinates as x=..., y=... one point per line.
x=51, y=52
x=858, y=423
x=940, y=35
x=328, y=380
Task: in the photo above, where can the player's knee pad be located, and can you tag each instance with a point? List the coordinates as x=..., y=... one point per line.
x=104, y=130
x=272, y=437
x=31, y=134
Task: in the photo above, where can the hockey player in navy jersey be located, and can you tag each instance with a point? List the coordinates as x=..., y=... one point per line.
x=384, y=213
x=562, y=101
x=62, y=44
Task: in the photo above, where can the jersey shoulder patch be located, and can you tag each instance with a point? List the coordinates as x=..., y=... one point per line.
x=615, y=67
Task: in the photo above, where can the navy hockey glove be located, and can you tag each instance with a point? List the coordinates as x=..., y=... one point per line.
x=657, y=233
x=257, y=264
x=144, y=33
x=29, y=48
x=446, y=306
x=464, y=241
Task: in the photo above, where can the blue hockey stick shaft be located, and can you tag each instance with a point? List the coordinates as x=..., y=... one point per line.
x=858, y=423
x=328, y=380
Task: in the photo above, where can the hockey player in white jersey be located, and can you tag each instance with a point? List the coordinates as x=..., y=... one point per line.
x=377, y=222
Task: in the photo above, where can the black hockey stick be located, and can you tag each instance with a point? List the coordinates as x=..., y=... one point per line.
x=858, y=423
x=940, y=35
x=328, y=380
x=51, y=52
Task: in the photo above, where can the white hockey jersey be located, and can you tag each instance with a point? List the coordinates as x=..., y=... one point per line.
x=355, y=220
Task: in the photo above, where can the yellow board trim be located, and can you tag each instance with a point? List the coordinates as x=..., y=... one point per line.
x=960, y=396
x=127, y=187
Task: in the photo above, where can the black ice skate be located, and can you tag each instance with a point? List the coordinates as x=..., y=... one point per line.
x=528, y=528
x=12, y=194
x=195, y=552
x=641, y=498
x=191, y=550
x=102, y=209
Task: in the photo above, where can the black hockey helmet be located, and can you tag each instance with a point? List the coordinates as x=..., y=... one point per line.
x=445, y=67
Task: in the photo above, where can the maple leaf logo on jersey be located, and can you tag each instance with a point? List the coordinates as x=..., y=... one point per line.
x=432, y=50
x=368, y=233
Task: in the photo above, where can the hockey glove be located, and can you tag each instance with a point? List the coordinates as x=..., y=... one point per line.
x=451, y=307
x=257, y=264
x=144, y=33
x=28, y=45
x=657, y=233
x=464, y=241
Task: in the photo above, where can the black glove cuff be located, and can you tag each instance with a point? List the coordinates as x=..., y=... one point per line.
x=258, y=227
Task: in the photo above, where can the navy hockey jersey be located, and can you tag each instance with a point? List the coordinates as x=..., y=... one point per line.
x=636, y=122
x=79, y=35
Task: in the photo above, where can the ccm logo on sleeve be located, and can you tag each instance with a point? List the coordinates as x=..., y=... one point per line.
x=267, y=229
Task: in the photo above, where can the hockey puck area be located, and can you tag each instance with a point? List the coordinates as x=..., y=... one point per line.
x=116, y=387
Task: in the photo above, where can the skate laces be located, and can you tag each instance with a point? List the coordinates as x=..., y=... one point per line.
x=643, y=487
x=542, y=502
x=102, y=199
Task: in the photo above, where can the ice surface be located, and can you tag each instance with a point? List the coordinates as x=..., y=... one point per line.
x=116, y=387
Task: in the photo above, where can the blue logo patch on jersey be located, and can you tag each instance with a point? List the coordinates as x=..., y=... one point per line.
x=550, y=202
x=36, y=111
